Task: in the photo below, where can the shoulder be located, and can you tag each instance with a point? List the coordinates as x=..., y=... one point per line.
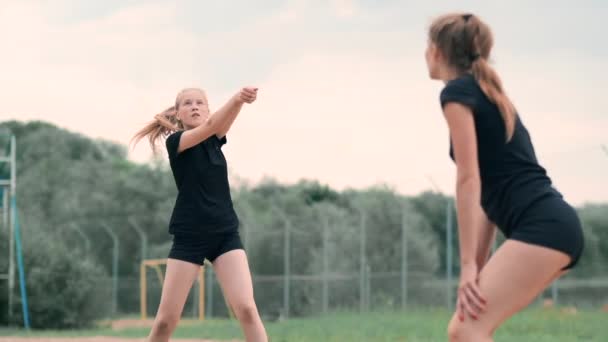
x=463, y=90
x=172, y=143
x=174, y=136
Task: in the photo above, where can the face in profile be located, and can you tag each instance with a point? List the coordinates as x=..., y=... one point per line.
x=433, y=60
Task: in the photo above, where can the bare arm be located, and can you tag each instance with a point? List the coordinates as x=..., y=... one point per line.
x=486, y=240
x=468, y=184
x=200, y=133
x=246, y=95
x=219, y=122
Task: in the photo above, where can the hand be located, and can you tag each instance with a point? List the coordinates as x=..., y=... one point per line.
x=470, y=299
x=247, y=95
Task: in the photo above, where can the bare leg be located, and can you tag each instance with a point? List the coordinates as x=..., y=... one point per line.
x=232, y=270
x=179, y=277
x=511, y=279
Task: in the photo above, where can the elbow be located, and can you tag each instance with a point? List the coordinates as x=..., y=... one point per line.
x=469, y=181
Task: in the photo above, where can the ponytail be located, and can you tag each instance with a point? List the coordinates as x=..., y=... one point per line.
x=490, y=83
x=466, y=41
x=163, y=125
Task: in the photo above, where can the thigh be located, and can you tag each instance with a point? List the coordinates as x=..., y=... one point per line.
x=179, y=277
x=234, y=276
x=512, y=278
x=552, y=223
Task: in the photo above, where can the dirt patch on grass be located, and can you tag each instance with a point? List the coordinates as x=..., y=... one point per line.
x=88, y=339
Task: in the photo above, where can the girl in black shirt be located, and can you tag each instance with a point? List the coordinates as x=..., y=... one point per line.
x=499, y=184
x=204, y=224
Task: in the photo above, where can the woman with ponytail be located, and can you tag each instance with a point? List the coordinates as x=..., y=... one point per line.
x=499, y=184
x=204, y=224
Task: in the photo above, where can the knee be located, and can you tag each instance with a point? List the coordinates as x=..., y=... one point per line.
x=165, y=324
x=246, y=313
x=455, y=331
x=466, y=332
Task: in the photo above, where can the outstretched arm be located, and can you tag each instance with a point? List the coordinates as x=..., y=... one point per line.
x=218, y=123
x=246, y=95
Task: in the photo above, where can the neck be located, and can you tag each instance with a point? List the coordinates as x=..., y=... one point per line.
x=447, y=74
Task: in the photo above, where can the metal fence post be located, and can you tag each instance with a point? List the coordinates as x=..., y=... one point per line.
x=209, y=290
x=403, y=259
x=363, y=261
x=325, y=292
x=286, y=259
x=115, y=246
x=142, y=236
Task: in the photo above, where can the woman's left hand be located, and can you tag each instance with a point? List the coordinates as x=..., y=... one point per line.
x=470, y=298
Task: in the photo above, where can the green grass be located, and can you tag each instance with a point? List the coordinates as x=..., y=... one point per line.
x=419, y=326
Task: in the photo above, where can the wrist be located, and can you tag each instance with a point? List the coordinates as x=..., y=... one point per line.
x=468, y=263
x=236, y=99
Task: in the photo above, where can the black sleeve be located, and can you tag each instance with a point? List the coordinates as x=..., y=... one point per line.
x=222, y=140
x=172, y=144
x=459, y=91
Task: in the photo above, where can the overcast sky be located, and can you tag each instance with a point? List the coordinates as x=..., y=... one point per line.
x=344, y=95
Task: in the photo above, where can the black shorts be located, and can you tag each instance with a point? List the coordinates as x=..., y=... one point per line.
x=195, y=248
x=551, y=222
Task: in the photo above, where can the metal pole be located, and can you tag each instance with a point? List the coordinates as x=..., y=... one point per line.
x=195, y=298
x=362, y=262
x=142, y=236
x=554, y=293
x=449, y=255
x=11, y=238
x=287, y=267
x=144, y=244
x=22, y=285
x=15, y=238
x=325, y=289
x=209, y=290
x=5, y=217
x=116, y=244
x=403, y=259
x=368, y=287
x=246, y=235
x=83, y=236
x=5, y=213
x=245, y=224
x=286, y=258
x=201, y=294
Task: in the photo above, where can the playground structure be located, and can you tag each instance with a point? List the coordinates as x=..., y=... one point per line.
x=10, y=222
x=156, y=265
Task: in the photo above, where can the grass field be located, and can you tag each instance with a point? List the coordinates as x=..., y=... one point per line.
x=533, y=325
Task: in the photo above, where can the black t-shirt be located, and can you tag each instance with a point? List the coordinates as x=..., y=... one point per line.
x=203, y=201
x=511, y=177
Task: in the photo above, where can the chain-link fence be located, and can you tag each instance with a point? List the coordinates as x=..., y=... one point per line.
x=322, y=258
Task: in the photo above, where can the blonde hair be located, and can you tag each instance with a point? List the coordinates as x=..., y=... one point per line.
x=466, y=41
x=163, y=125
